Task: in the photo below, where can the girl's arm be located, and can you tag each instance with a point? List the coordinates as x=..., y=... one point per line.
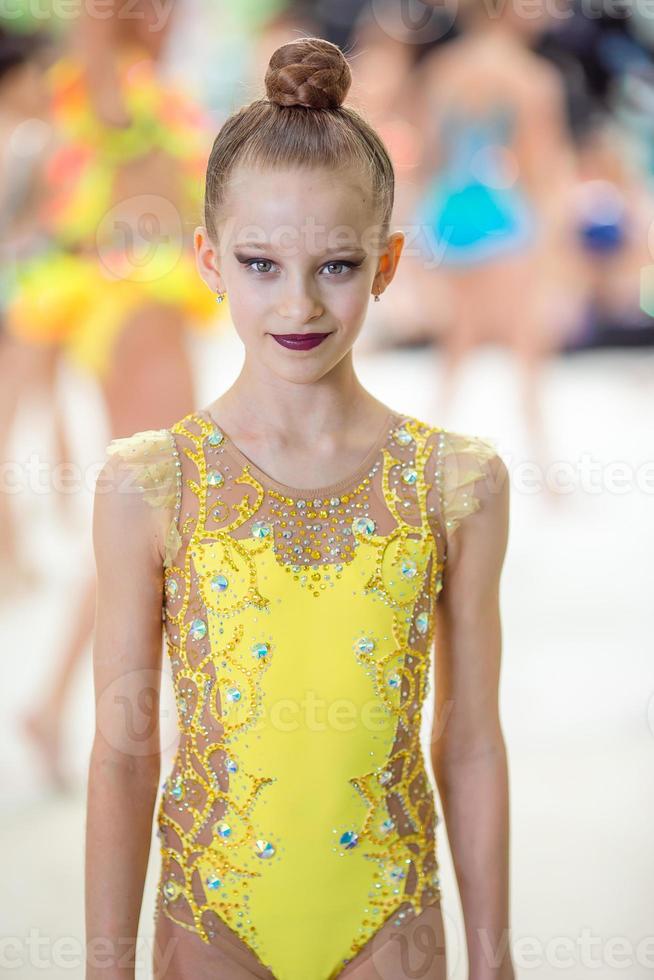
x=125, y=764
x=468, y=750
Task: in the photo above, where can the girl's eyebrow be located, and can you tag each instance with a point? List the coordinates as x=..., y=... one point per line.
x=354, y=250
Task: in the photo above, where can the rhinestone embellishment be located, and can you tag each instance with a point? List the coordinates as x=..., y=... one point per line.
x=219, y=583
x=349, y=839
x=403, y=437
x=422, y=622
x=215, y=478
x=363, y=525
x=171, y=889
x=264, y=848
x=260, y=650
x=198, y=629
x=215, y=437
x=261, y=529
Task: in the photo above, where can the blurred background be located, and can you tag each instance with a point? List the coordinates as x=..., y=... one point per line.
x=523, y=140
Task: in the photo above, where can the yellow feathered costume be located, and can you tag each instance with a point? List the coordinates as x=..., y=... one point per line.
x=79, y=292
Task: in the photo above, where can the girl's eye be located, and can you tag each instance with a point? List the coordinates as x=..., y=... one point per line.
x=339, y=265
x=255, y=262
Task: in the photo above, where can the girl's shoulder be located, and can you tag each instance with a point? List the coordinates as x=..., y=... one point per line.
x=149, y=456
x=462, y=468
x=147, y=464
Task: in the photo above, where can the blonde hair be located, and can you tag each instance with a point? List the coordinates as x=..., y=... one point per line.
x=301, y=123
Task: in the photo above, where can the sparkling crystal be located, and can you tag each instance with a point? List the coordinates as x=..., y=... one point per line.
x=219, y=583
x=177, y=792
x=408, y=568
x=231, y=765
x=422, y=622
x=171, y=889
x=363, y=525
x=233, y=694
x=198, y=629
x=172, y=587
x=394, y=680
x=409, y=475
x=349, y=839
x=260, y=650
x=223, y=829
x=365, y=645
x=397, y=873
x=385, y=777
x=403, y=437
x=261, y=529
x=264, y=848
x=215, y=478
x=387, y=825
x=215, y=437
x=213, y=881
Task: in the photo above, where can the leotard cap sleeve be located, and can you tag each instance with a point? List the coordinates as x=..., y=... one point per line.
x=152, y=463
x=463, y=463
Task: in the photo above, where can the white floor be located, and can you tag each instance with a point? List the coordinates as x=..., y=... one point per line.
x=577, y=688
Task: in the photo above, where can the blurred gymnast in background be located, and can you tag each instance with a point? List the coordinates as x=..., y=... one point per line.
x=25, y=144
x=497, y=164
x=118, y=287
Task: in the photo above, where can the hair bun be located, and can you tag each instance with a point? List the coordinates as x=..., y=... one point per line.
x=311, y=72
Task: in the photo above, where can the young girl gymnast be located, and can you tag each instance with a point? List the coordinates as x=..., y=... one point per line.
x=306, y=546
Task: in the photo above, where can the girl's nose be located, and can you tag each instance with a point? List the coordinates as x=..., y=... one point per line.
x=299, y=304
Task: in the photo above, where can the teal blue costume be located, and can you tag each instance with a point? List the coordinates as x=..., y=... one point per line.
x=472, y=210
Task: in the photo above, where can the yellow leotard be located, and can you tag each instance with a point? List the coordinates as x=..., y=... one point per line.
x=299, y=625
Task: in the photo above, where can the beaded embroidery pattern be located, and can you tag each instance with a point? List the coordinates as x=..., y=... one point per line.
x=361, y=565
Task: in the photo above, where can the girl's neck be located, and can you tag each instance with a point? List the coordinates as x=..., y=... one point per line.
x=296, y=413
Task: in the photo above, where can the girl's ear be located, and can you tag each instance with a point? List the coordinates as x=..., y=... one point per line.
x=206, y=259
x=388, y=261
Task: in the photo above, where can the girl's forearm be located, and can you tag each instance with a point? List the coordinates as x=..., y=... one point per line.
x=121, y=798
x=475, y=798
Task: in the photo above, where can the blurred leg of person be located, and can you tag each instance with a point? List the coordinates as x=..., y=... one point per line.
x=462, y=335
x=26, y=370
x=149, y=385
